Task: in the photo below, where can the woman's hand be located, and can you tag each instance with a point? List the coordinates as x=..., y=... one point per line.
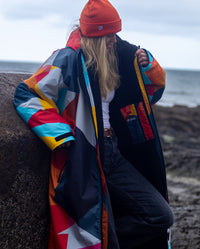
x=143, y=59
x=64, y=146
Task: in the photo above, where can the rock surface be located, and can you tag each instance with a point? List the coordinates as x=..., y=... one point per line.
x=180, y=137
x=24, y=170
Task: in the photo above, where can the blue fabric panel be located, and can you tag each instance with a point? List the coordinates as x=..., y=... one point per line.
x=146, y=79
x=91, y=222
x=26, y=113
x=85, y=72
x=51, y=129
x=135, y=129
x=157, y=95
x=23, y=94
x=61, y=99
x=66, y=60
x=70, y=138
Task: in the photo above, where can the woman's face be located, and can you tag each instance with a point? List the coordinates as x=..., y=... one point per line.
x=110, y=40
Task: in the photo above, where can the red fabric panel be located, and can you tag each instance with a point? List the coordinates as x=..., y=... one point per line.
x=145, y=122
x=45, y=116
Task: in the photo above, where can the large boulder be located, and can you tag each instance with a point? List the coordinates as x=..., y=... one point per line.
x=24, y=175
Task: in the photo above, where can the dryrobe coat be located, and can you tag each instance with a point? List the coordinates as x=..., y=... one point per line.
x=61, y=102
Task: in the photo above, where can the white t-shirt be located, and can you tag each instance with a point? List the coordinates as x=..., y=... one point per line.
x=105, y=109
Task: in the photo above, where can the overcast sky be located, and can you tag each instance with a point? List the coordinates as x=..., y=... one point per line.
x=31, y=29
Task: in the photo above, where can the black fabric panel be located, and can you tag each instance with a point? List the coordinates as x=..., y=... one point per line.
x=66, y=59
x=128, y=93
x=146, y=159
x=157, y=243
x=128, y=77
x=77, y=191
x=68, y=134
x=98, y=105
x=143, y=156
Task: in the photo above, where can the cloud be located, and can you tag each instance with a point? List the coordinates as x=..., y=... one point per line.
x=173, y=17
x=37, y=9
x=161, y=17
x=169, y=29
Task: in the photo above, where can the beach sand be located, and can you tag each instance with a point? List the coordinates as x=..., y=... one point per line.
x=180, y=138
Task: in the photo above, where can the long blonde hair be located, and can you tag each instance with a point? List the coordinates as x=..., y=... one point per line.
x=103, y=61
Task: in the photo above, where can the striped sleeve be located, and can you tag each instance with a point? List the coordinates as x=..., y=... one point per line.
x=154, y=78
x=35, y=101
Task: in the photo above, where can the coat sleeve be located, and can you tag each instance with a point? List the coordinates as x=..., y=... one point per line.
x=36, y=98
x=154, y=79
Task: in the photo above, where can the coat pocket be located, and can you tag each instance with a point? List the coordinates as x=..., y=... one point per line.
x=137, y=122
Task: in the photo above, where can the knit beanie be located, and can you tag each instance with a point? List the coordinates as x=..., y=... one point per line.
x=99, y=18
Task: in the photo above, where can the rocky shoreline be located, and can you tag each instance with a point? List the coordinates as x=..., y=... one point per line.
x=179, y=131
x=180, y=138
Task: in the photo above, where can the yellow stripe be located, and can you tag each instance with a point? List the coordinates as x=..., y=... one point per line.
x=95, y=119
x=133, y=110
x=142, y=87
x=53, y=67
x=46, y=105
x=51, y=142
x=45, y=102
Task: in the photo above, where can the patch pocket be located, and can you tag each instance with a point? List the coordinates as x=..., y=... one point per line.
x=137, y=122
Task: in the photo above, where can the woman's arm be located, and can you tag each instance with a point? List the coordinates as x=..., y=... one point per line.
x=153, y=75
x=36, y=100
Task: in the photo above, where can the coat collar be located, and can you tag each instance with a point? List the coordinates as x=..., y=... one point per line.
x=74, y=40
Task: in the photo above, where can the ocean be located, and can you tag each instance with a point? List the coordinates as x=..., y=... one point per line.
x=182, y=86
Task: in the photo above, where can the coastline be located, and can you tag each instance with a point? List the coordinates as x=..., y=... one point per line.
x=179, y=132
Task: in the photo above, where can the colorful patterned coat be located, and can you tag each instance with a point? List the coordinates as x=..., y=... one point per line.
x=61, y=102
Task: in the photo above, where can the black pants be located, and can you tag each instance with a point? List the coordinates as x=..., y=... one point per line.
x=140, y=212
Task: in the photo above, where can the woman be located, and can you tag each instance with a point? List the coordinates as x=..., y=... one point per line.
x=88, y=102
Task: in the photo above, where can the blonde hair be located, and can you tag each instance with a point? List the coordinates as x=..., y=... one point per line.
x=104, y=62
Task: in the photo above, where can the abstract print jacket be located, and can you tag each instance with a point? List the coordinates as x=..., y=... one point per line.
x=61, y=102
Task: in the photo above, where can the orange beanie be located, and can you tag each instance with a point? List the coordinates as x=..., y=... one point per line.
x=99, y=18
